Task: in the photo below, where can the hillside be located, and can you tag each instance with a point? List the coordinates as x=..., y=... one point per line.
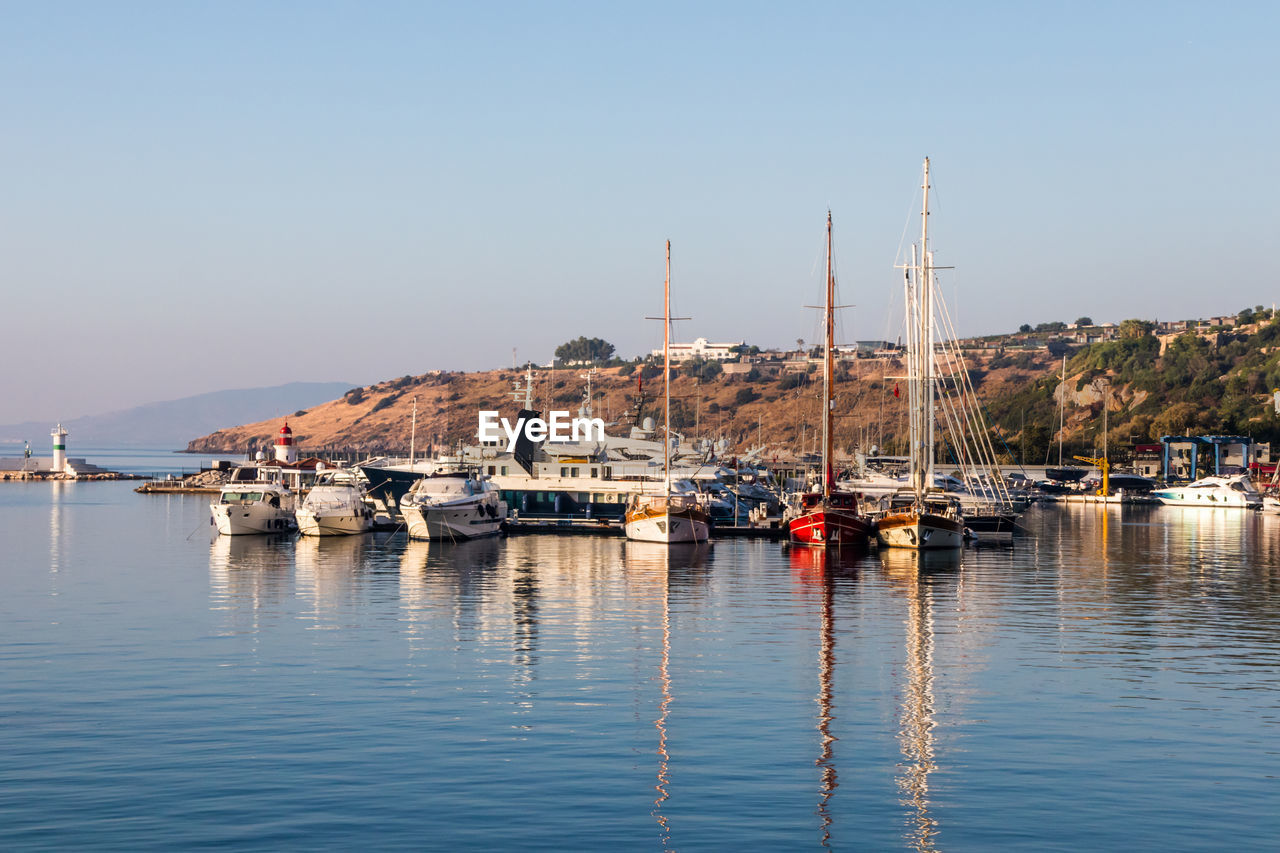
x=1218, y=381
x=1215, y=381
x=777, y=405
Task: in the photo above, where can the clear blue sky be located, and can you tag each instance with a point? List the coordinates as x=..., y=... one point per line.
x=200, y=196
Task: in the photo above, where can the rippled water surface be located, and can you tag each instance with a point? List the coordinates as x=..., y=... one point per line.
x=1112, y=682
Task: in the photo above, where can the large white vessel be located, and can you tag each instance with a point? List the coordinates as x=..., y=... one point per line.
x=1234, y=491
x=254, y=500
x=335, y=506
x=452, y=503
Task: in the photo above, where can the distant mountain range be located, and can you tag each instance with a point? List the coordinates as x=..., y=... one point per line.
x=174, y=423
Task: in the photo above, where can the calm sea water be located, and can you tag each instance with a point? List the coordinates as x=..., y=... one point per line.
x=1113, y=682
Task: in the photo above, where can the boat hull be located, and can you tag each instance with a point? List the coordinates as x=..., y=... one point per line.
x=993, y=528
x=826, y=528
x=240, y=520
x=919, y=531
x=1209, y=500
x=472, y=520
x=668, y=526
x=323, y=524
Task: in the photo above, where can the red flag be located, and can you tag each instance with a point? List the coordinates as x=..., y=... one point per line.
x=895, y=390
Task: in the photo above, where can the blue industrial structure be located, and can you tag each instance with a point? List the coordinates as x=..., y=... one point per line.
x=1197, y=441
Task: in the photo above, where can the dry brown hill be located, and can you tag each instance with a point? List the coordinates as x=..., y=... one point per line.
x=776, y=406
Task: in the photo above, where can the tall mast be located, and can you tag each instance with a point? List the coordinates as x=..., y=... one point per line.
x=913, y=371
x=666, y=374
x=828, y=371
x=1062, y=408
x=926, y=319
x=413, y=431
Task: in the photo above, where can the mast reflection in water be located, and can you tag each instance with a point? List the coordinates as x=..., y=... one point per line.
x=817, y=570
x=661, y=563
x=916, y=573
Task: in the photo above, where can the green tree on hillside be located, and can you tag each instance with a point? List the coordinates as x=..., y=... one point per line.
x=585, y=349
x=1136, y=328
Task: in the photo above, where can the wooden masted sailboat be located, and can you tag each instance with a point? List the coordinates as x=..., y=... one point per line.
x=921, y=516
x=830, y=518
x=667, y=517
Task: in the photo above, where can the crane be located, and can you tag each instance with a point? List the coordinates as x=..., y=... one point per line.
x=1103, y=465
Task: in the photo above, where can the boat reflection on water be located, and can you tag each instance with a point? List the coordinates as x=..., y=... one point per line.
x=665, y=565
x=918, y=574
x=249, y=574
x=455, y=576
x=817, y=565
x=328, y=569
x=817, y=570
x=659, y=557
x=433, y=555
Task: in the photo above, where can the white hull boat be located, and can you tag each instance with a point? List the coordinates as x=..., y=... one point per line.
x=1235, y=492
x=920, y=530
x=452, y=505
x=253, y=501
x=668, y=519
x=334, y=508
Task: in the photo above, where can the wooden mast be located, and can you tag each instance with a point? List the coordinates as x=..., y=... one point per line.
x=666, y=375
x=828, y=371
x=926, y=317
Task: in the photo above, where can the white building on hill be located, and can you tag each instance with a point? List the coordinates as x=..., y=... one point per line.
x=702, y=348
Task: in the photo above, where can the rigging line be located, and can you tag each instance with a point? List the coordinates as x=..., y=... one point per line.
x=982, y=438
x=913, y=209
x=971, y=430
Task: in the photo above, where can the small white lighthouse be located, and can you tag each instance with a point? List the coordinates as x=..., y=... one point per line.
x=285, y=451
x=59, y=447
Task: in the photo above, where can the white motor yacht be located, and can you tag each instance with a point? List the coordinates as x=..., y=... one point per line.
x=1234, y=491
x=452, y=503
x=335, y=506
x=254, y=500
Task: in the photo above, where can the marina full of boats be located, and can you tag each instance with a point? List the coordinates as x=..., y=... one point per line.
x=651, y=483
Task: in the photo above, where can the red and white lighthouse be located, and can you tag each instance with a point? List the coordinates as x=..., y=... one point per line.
x=285, y=451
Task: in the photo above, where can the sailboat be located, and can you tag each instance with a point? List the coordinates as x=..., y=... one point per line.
x=1063, y=473
x=921, y=516
x=667, y=517
x=830, y=518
